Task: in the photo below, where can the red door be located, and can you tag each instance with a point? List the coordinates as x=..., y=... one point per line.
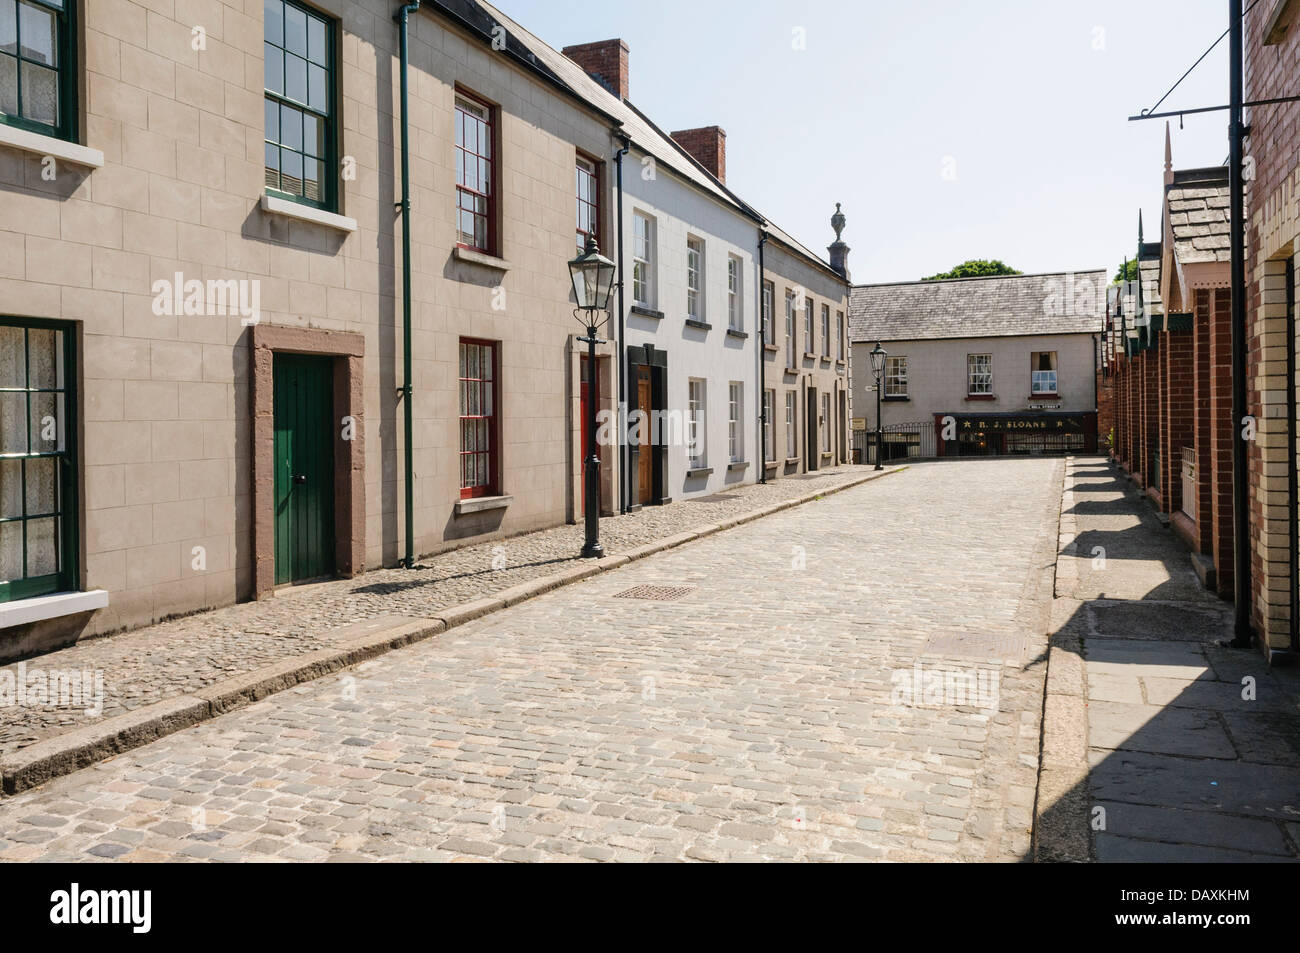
x=586, y=436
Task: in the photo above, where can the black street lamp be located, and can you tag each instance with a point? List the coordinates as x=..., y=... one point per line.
x=593, y=282
x=878, y=355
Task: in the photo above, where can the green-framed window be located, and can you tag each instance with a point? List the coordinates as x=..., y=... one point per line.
x=38, y=71
x=38, y=506
x=301, y=134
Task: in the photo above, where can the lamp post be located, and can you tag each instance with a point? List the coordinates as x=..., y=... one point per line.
x=593, y=282
x=878, y=355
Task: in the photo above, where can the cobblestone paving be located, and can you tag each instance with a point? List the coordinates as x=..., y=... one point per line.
x=184, y=655
x=755, y=717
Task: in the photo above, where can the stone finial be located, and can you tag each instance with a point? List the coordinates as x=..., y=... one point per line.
x=838, y=221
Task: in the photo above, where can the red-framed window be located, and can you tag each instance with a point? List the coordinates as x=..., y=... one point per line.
x=475, y=174
x=587, y=187
x=480, y=422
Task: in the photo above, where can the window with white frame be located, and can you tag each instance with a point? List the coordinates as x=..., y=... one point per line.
x=587, y=183
x=791, y=424
x=696, y=434
x=896, y=376
x=695, y=279
x=643, y=260
x=1042, y=378
x=979, y=374
x=736, y=421
x=826, y=331
x=808, y=319
x=826, y=423
x=790, y=305
x=769, y=410
x=769, y=327
x=735, y=294
x=839, y=350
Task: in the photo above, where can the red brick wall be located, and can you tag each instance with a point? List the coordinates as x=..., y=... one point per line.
x=1177, y=412
x=1106, y=405
x=1274, y=146
x=1201, y=389
x=1221, y=435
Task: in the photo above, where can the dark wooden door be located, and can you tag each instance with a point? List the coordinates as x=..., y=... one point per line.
x=811, y=454
x=304, y=467
x=645, y=452
x=586, y=436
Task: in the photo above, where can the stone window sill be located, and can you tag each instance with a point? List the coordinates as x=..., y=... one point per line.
x=791, y=461
x=644, y=312
x=698, y=325
x=981, y=396
x=40, y=145
x=739, y=335
x=771, y=348
x=699, y=472
x=472, y=257
x=24, y=611
x=809, y=356
x=305, y=213
x=896, y=400
x=482, y=504
x=737, y=466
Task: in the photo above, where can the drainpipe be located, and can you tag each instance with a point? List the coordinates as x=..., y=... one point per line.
x=1240, y=475
x=762, y=356
x=625, y=482
x=403, y=20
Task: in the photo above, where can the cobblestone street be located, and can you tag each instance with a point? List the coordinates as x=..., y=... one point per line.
x=183, y=655
x=757, y=715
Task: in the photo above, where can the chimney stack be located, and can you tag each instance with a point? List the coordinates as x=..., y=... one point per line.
x=709, y=147
x=839, y=251
x=605, y=61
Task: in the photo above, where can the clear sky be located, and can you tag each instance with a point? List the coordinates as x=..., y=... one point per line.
x=948, y=129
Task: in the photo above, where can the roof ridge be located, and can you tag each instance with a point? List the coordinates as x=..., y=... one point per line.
x=947, y=281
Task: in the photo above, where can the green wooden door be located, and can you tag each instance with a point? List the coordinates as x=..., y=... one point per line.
x=304, y=467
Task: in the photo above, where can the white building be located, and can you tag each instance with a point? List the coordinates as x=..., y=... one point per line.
x=1007, y=362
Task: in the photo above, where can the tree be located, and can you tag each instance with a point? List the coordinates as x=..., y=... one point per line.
x=976, y=268
x=1130, y=275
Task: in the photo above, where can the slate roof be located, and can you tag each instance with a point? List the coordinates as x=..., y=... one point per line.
x=646, y=136
x=1149, y=276
x=1199, y=215
x=1002, y=306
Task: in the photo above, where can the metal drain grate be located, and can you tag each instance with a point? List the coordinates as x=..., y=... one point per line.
x=992, y=648
x=657, y=593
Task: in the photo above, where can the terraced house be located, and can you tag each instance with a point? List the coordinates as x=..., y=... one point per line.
x=247, y=340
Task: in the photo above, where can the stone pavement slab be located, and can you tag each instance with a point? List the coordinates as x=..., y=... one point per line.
x=1192, y=749
x=779, y=710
